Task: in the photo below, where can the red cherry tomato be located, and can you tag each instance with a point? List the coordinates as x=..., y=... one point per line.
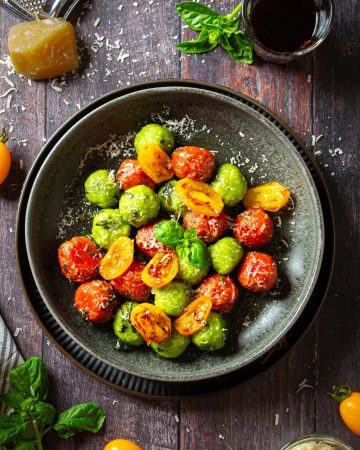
x=208, y=228
x=146, y=241
x=258, y=272
x=193, y=162
x=79, y=259
x=95, y=300
x=130, y=174
x=222, y=290
x=253, y=228
x=130, y=284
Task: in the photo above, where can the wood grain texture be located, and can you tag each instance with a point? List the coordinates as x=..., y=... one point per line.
x=316, y=95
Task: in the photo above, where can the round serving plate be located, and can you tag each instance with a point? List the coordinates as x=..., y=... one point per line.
x=253, y=347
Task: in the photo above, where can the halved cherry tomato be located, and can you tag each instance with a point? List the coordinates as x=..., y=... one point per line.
x=269, y=196
x=151, y=322
x=349, y=407
x=121, y=444
x=161, y=269
x=199, y=197
x=118, y=258
x=5, y=156
x=194, y=316
x=156, y=163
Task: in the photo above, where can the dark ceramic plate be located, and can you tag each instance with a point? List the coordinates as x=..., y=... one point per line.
x=241, y=132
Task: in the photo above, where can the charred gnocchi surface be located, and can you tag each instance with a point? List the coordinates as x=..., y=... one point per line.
x=253, y=228
x=96, y=300
x=193, y=162
x=258, y=272
x=222, y=290
x=147, y=242
x=130, y=285
x=208, y=228
x=130, y=174
x=79, y=259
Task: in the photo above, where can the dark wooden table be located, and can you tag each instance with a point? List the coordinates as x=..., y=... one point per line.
x=318, y=95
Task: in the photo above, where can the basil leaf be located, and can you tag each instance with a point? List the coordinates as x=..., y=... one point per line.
x=30, y=379
x=86, y=416
x=190, y=234
x=169, y=232
x=196, y=15
x=195, y=252
x=42, y=412
x=25, y=445
x=11, y=427
x=200, y=45
x=242, y=48
x=13, y=400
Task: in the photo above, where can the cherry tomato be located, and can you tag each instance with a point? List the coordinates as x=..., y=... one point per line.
x=270, y=197
x=118, y=258
x=156, y=163
x=146, y=241
x=161, y=269
x=194, y=316
x=222, y=291
x=253, y=228
x=208, y=228
x=5, y=156
x=130, y=174
x=79, y=259
x=151, y=322
x=194, y=163
x=95, y=300
x=349, y=407
x=199, y=197
x=121, y=444
x=258, y=272
x=130, y=284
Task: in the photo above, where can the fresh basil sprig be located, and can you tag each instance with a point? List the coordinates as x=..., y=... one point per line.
x=169, y=232
x=32, y=417
x=214, y=30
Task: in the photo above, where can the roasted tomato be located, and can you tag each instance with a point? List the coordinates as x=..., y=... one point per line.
x=118, y=258
x=156, y=163
x=161, y=269
x=270, y=197
x=199, y=197
x=147, y=242
x=95, y=300
x=79, y=259
x=151, y=322
x=130, y=174
x=253, y=228
x=130, y=284
x=208, y=228
x=258, y=272
x=222, y=290
x=194, y=316
x=193, y=162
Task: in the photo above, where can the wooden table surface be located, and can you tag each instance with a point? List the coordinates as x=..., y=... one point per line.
x=317, y=95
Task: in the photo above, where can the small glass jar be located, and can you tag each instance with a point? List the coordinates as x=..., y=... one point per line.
x=324, y=17
x=335, y=443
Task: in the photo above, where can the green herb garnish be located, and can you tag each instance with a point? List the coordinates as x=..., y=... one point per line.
x=32, y=417
x=214, y=30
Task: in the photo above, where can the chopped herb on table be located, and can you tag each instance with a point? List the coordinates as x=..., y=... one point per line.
x=32, y=417
x=215, y=29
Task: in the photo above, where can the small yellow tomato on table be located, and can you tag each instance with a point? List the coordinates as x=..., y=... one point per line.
x=349, y=407
x=121, y=444
x=5, y=156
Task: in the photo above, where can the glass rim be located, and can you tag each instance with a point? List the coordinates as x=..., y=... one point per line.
x=316, y=437
x=295, y=53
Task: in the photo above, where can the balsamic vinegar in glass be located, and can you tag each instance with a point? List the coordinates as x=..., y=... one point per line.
x=284, y=25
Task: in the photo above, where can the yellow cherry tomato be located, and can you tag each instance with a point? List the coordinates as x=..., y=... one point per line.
x=194, y=316
x=199, y=197
x=269, y=197
x=156, y=163
x=121, y=444
x=161, y=269
x=5, y=156
x=349, y=407
x=151, y=322
x=117, y=259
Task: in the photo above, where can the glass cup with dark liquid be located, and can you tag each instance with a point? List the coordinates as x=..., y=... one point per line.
x=283, y=30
